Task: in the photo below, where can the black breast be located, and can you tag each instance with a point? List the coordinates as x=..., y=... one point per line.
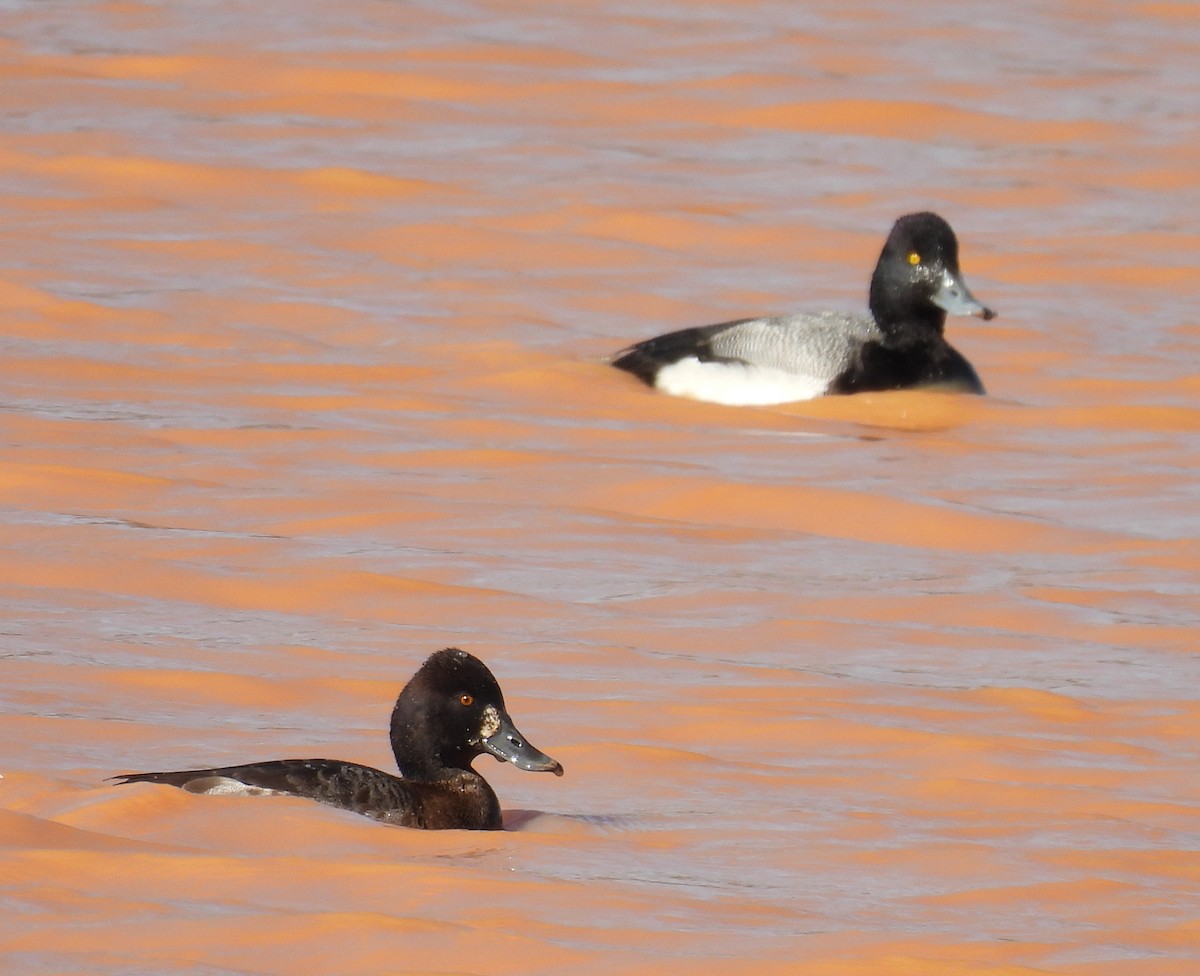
x=887, y=367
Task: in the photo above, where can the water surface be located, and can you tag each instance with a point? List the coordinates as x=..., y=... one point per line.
x=305, y=307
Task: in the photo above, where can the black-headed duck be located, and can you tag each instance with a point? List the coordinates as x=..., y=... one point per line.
x=799, y=357
x=451, y=711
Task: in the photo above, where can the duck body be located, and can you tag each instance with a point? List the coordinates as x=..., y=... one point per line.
x=759, y=361
x=450, y=712
x=462, y=799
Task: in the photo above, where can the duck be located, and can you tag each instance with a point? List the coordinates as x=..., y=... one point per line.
x=451, y=711
x=785, y=358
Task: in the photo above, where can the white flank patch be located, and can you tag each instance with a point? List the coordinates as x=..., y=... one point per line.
x=224, y=786
x=735, y=384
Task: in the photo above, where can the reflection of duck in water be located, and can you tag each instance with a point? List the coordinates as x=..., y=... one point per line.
x=798, y=357
x=450, y=712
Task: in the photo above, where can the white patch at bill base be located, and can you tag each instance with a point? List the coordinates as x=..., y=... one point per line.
x=490, y=724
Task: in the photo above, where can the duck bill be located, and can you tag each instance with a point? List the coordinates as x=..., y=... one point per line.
x=954, y=296
x=508, y=745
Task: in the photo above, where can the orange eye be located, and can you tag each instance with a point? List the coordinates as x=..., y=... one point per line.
x=914, y=258
x=465, y=699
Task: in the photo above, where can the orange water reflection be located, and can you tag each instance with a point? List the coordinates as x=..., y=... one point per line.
x=305, y=318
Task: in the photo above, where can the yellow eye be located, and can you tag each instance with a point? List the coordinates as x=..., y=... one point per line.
x=465, y=699
x=914, y=258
